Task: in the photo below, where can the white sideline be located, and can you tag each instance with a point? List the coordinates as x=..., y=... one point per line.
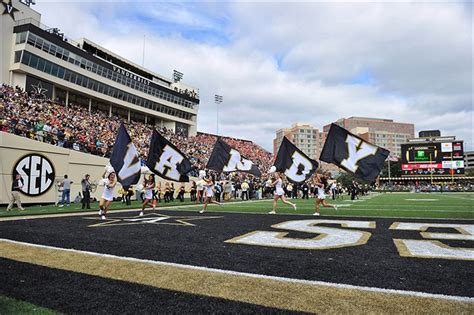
x=258, y=276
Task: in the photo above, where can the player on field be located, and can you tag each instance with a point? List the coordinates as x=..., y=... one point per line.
x=321, y=182
x=279, y=193
x=208, y=184
x=148, y=186
x=108, y=194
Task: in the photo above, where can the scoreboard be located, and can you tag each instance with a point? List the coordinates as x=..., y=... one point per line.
x=433, y=158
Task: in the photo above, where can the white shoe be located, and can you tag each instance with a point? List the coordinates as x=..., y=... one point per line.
x=100, y=212
x=272, y=212
x=202, y=211
x=294, y=206
x=221, y=204
x=316, y=213
x=103, y=217
x=141, y=214
x=335, y=207
x=60, y=206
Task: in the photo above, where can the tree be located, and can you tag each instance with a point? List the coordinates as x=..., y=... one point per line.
x=395, y=169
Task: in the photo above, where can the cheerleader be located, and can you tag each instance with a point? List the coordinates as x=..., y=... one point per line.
x=108, y=194
x=208, y=184
x=148, y=186
x=279, y=193
x=321, y=182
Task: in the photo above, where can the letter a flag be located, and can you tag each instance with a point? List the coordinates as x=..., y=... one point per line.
x=292, y=162
x=165, y=160
x=224, y=158
x=353, y=154
x=125, y=160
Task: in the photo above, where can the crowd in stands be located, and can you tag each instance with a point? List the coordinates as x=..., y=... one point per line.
x=459, y=186
x=74, y=127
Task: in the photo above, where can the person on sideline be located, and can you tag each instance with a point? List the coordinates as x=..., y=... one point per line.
x=66, y=184
x=17, y=184
x=86, y=192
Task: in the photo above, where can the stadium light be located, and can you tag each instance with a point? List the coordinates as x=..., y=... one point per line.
x=218, y=100
x=177, y=76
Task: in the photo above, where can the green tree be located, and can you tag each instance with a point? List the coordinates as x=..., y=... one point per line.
x=395, y=169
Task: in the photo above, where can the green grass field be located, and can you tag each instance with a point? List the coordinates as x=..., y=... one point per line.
x=409, y=205
x=12, y=306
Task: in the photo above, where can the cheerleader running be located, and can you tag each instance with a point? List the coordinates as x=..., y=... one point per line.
x=108, y=194
x=279, y=193
x=209, y=193
x=148, y=186
x=321, y=182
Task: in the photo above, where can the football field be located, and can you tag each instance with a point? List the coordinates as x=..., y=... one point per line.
x=383, y=253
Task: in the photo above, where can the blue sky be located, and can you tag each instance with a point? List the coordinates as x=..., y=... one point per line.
x=277, y=63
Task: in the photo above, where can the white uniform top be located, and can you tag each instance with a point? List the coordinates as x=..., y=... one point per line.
x=108, y=193
x=148, y=191
x=321, y=194
x=278, y=189
x=209, y=190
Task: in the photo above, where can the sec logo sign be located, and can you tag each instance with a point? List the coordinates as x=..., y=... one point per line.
x=37, y=173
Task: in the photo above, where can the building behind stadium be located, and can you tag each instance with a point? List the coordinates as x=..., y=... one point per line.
x=45, y=61
x=382, y=132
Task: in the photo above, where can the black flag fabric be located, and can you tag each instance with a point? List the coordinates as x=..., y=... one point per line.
x=353, y=154
x=165, y=160
x=224, y=158
x=125, y=160
x=292, y=162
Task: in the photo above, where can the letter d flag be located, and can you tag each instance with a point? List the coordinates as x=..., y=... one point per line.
x=125, y=160
x=353, y=154
x=166, y=161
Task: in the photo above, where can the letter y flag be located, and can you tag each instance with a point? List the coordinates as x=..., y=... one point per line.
x=353, y=154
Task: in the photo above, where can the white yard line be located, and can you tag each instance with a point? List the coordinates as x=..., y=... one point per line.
x=252, y=275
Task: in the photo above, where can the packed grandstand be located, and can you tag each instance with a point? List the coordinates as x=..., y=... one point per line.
x=74, y=127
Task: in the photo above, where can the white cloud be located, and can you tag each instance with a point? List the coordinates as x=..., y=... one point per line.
x=419, y=55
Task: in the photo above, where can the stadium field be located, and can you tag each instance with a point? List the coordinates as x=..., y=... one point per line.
x=410, y=205
x=367, y=257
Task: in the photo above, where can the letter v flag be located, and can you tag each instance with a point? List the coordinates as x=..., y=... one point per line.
x=292, y=162
x=353, y=154
x=165, y=160
x=224, y=158
x=125, y=160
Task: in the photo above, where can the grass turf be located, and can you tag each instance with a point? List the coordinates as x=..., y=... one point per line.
x=12, y=306
x=409, y=205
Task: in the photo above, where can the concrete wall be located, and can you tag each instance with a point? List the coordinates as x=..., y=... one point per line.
x=74, y=164
x=64, y=161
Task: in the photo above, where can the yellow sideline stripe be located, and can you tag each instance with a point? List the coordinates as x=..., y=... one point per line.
x=281, y=293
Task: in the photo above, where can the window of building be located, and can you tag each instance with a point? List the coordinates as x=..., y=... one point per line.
x=17, y=56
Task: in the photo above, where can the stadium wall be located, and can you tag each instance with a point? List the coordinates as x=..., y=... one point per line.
x=64, y=161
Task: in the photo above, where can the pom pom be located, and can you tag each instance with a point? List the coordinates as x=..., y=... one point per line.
x=272, y=169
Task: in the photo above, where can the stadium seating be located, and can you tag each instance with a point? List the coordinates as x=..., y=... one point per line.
x=94, y=132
